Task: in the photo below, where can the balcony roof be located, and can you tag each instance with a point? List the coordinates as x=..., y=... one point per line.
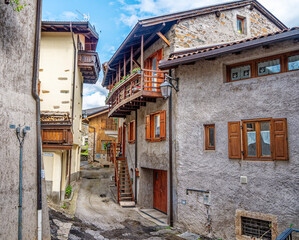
x=150, y=26
x=77, y=27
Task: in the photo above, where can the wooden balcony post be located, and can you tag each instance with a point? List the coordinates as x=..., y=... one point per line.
x=142, y=63
x=131, y=62
x=119, y=71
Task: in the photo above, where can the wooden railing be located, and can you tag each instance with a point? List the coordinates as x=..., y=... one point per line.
x=111, y=154
x=145, y=82
x=87, y=60
x=111, y=125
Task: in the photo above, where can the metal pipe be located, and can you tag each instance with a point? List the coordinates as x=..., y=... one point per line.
x=74, y=72
x=38, y=123
x=94, y=142
x=136, y=142
x=170, y=160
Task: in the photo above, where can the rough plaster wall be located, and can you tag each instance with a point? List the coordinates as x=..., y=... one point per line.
x=208, y=29
x=91, y=145
x=17, y=106
x=204, y=98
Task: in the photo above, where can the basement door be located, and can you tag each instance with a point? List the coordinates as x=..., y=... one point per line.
x=160, y=190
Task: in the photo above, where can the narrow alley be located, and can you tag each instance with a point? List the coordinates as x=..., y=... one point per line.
x=98, y=216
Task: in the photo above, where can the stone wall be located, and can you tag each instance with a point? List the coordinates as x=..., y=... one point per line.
x=204, y=98
x=18, y=107
x=211, y=30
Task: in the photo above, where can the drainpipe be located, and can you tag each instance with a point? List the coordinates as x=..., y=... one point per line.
x=170, y=160
x=136, y=142
x=94, y=142
x=38, y=123
x=70, y=167
x=74, y=73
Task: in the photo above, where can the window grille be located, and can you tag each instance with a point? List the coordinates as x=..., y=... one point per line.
x=256, y=228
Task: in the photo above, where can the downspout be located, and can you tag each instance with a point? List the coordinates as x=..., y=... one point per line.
x=38, y=123
x=73, y=101
x=170, y=160
x=94, y=142
x=136, y=142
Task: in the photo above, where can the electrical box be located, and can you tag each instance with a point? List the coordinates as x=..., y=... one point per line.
x=184, y=202
x=243, y=179
x=137, y=172
x=207, y=198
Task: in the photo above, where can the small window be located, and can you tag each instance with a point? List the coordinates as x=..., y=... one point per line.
x=256, y=228
x=240, y=72
x=155, y=126
x=268, y=67
x=132, y=132
x=240, y=25
x=293, y=62
x=210, y=137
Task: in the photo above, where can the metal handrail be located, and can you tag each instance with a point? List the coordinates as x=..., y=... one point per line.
x=287, y=234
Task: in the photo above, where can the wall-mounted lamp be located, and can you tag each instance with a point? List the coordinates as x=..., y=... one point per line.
x=167, y=85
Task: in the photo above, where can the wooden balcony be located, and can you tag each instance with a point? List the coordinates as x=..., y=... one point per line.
x=56, y=135
x=89, y=64
x=139, y=88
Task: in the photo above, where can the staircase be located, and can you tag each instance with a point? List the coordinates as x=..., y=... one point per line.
x=125, y=195
x=125, y=192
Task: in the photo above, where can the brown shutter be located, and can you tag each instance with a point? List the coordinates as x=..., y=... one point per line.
x=133, y=132
x=280, y=137
x=234, y=140
x=119, y=134
x=129, y=133
x=163, y=125
x=148, y=128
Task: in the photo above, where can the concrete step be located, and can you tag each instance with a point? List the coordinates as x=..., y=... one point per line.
x=127, y=203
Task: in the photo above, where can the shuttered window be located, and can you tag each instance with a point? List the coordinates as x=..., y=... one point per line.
x=263, y=139
x=155, y=126
x=132, y=132
x=209, y=137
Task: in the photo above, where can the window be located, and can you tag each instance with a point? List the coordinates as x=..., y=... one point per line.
x=132, y=132
x=263, y=139
x=256, y=228
x=240, y=25
x=210, y=137
x=264, y=66
x=155, y=126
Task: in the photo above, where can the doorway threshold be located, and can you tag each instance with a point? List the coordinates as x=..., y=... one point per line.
x=155, y=216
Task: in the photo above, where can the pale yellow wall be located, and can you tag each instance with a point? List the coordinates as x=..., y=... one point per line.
x=56, y=63
x=64, y=171
x=48, y=165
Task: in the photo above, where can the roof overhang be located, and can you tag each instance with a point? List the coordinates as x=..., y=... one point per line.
x=216, y=51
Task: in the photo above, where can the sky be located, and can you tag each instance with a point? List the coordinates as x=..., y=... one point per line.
x=114, y=19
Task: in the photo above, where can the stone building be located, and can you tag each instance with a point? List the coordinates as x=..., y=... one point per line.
x=163, y=140
x=102, y=130
x=19, y=41
x=68, y=59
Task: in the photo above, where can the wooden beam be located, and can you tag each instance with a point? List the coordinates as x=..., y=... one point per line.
x=124, y=64
x=131, y=60
x=119, y=71
x=163, y=38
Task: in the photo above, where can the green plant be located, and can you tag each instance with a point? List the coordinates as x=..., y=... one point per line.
x=17, y=5
x=63, y=206
x=106, y=144
x=68, y=191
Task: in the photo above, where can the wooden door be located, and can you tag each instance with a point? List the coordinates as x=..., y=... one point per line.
x=160, y=190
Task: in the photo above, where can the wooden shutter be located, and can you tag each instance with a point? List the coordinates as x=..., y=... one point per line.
x=119, y=134
x=133, y=132
x=234, y=140
x=148, y=128
x=163, y=125
x=280, y=139
x=129, y=133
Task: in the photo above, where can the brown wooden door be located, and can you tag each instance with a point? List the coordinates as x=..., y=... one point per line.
x=160, y=190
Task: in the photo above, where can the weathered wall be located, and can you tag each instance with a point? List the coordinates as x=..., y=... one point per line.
x=17, y=106
x=209, y=29
x=204, y=98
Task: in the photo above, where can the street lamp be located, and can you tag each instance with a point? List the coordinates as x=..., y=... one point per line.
x=167, y=85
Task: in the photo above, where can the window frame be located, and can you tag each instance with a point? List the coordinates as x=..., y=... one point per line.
x=151, y=126
x=258, y=156
x=207, y=137
x=254, y=65
x=243, y=25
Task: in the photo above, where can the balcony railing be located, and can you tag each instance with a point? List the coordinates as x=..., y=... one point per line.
x=89, y=64
x=56, y=135
x=144, y=84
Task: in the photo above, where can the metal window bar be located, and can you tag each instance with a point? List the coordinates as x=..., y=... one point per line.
x=256, y=228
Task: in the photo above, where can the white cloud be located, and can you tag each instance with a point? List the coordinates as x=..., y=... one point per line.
x=94, y=100
x=129, y=20
x=69, y=16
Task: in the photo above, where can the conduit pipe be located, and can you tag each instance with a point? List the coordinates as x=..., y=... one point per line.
x=136, y=157
x=38, y=123
x=170, y=160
